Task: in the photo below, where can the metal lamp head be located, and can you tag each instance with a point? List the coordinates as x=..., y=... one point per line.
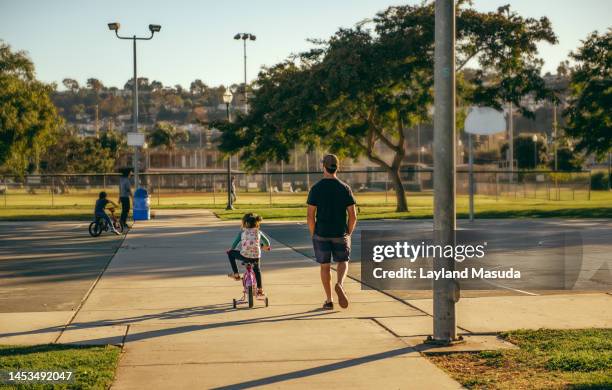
x=114, y=26
x=237, y=36
x=227, y=97
x=252, y=37
x=154, y=28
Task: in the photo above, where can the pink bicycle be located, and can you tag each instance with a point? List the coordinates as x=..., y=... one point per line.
x=249, y=288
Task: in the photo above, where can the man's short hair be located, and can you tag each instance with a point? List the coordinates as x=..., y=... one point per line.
x=330, y=163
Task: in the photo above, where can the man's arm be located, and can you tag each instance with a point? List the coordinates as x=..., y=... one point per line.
x=310, y=217
x=352, y=218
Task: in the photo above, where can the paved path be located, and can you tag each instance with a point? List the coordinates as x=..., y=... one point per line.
x=166, y=296
x=37, y=258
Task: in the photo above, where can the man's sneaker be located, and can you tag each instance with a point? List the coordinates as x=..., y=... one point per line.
x=342, y=298
x=328, y=305
x=116, y=232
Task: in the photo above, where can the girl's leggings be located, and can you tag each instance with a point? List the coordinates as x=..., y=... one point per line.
x=235, y=254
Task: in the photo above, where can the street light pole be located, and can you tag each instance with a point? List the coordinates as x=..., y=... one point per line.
x=227, y=99
x=555, y=133
x=245, y=37
x=135, y=114
x=511, y=140
x=153, y=28
x=446, y=291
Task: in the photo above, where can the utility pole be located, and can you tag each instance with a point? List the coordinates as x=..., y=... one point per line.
x=445, y=292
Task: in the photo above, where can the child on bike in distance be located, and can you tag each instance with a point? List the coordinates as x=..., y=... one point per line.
x=247, y=247
x=99, y=212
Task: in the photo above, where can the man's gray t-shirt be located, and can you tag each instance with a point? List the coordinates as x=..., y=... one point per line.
x=125, y=189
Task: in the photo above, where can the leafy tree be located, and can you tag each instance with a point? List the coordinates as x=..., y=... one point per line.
x=114, y=106
x=528, y=155
x=156, y=85
x=114, y=142
x=568, y=159
x=166, y=135
x=71, y=84
x=28, y=118
x=74, y=154
x=95, y=85
x=197, y=87
x=359, y=92
x=588, y=116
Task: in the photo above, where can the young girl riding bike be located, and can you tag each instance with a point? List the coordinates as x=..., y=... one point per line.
x=250, y=240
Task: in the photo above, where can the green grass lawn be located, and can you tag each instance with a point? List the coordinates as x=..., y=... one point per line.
x=93, y=366
x=545, y=359
x=421, y=206
x=291, y=206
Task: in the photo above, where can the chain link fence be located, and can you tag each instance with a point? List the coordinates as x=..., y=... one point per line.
x=282, y=188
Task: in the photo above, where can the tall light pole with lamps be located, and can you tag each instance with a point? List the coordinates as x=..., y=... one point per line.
x=153, y=28
x=245, y=37
x=227, y=99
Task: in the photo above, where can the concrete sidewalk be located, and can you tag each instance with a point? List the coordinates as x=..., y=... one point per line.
x=165, y=296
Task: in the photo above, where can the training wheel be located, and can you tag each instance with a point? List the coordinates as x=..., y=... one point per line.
x=234, y=303
x=266, y=301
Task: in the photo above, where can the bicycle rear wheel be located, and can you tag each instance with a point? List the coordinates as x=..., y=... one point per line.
x=95, y=229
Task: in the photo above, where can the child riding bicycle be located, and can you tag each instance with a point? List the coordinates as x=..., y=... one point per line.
x=99, y=212
x=250, y=241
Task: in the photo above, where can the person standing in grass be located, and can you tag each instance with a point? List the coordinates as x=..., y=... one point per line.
x=125, y=193
x=233, y=189
x=332, y=218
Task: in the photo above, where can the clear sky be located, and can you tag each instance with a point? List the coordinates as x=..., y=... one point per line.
x=69, y=38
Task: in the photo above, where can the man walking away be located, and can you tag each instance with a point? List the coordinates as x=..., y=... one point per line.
x=125, y=193
x=331, y=220
x=233, y=189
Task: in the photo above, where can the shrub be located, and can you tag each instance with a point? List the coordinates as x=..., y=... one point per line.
x=599, y=181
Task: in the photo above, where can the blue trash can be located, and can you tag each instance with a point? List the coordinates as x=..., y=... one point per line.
x=142, y=203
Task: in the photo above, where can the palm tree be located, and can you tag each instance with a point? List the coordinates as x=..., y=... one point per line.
x=165, y=135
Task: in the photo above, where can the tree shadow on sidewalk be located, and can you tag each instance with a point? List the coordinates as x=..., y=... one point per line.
x=318, y=370
x=169, y=315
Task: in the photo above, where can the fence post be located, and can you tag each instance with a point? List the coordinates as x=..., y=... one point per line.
x=52, y=191
x=269, y=178
x=104, y=181
x=212, y=183
x=387, y=189
x=496, y=186
x=158, y=189
x=5, y=189
x=590, y=183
